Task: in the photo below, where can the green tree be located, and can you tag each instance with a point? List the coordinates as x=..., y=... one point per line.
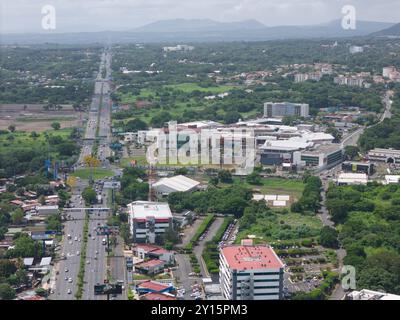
x=329, y=237
x=225, y=176
x=89, y=195
x=6, y=292
x=56, y=126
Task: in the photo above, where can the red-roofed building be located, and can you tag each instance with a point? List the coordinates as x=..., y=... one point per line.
x=156, y=296
x=153, y=266
x=144, y=251
x=153, y=286
x=250, y=272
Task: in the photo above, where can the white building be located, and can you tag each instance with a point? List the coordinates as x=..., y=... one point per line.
x=356, y=49
x=365, y=294
x=147, y=220
x=352, y=178
x=249, y=272
x=180, y=183
x=46, y=210
x=282, y=109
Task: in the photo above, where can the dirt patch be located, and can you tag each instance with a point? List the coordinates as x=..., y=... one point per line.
x=33, y=117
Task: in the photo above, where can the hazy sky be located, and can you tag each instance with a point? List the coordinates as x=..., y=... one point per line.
x=96, y=15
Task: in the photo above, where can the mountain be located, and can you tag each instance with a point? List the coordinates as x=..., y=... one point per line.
x=391, y=31
x=201, y=30
x=198, y=25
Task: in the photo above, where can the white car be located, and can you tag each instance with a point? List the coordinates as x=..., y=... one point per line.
x=76, y=238
x=66, y=270
x=70, y=280
x=69, y=291
x=77, y=253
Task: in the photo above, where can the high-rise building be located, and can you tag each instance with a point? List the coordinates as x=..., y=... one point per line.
x=282, y=109
x=148, y=220
x=250, y=272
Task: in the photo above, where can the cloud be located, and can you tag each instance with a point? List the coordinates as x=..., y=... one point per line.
x=95, y=15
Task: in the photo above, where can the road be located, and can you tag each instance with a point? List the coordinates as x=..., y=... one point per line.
x=69, y=267
x=352, y=139
x=95, y=271
x=198, y=250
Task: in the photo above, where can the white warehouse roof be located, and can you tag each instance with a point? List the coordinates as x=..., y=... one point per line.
x=179, y=183
x=353, y=178
x=144, y=209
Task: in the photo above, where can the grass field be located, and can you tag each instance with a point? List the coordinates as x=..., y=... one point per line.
x=274, y=185
x=190, y=87
x=98, y=173
x=24, y=139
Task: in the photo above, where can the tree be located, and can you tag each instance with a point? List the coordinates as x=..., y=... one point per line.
x=89, y=195
x=335, y=133
x=17, y=216
x=56, y=126
x=328, y=237
x=225, y=176
x=7, y=268
x=171, y=236
x=6, y=292
x=254, y=178
x=351, y=152
x=12, y=128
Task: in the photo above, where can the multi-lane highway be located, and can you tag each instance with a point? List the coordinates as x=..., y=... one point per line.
x=98, y=127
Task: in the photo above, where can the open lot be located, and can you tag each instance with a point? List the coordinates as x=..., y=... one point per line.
x=33, y=117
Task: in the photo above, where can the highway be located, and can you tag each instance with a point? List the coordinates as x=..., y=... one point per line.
x=65, y=288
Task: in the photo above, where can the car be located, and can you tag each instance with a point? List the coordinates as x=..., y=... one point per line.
x=66, y=278
x=66, y=270
x=69, y=291
x=87, y=261
x=77, y=253
x=76, y=238
x=97, y=252
x=70, y=242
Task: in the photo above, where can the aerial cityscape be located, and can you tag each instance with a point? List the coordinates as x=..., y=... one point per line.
x=197, y=155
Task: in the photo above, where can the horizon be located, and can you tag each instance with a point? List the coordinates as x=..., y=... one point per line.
x=24, y=17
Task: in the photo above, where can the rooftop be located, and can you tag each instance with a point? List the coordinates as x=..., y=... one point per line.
x=251, y=257
x=145, y=209
x=156, y=296
x=150, y=263
x=179, y=183
x=153, y=285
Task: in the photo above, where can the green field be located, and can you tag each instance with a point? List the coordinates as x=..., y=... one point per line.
x=190, y=87
x=23, y=139
x=98, y=173
x=274, y=185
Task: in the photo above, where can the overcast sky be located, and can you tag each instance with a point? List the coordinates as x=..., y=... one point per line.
x=96, y=15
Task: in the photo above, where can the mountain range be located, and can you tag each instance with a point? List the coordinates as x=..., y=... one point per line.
x=196, y=30
x=393, y=31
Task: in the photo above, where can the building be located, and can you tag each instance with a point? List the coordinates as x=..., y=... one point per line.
x=385, y=155
x=47, y=210
x=352, y=178
x=250, y=272
x=148, y=220
x=388, y=72
x=147, y=251
x=356, y=49
x=391, y=179
x=283, y=109
x=150, y=267
x=153, y=286
x=180, y=183
x=154, y=296
x=323, y=156
x=365, y=294
x=359, y=167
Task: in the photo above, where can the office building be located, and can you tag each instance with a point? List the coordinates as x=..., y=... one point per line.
x=148, y=221
x=384, y=155
x=358, y=167
x=283, y=109
x=250, y=272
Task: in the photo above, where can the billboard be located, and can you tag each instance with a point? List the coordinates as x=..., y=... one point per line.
x=43, y=235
